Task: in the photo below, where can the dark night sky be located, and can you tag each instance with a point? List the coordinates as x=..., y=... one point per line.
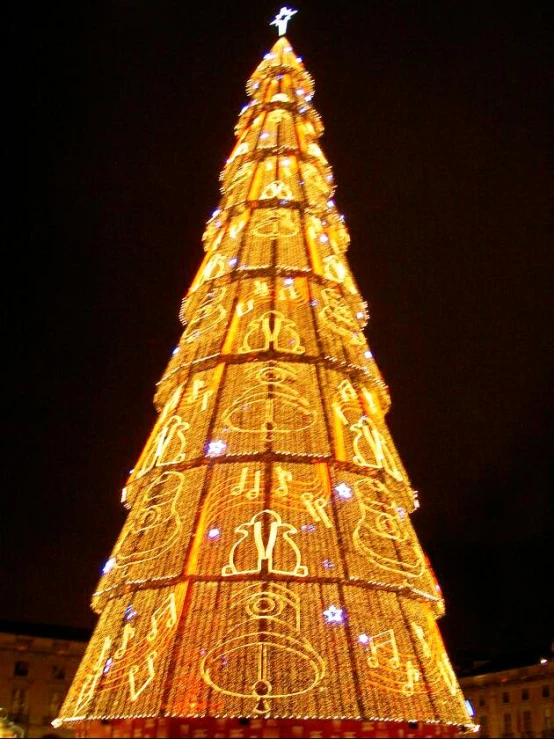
x=439, y=132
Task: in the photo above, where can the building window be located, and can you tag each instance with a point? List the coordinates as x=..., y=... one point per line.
x=58, y=673
x=505, y=697
x=54, y=705
x=484, y=724
x=546, y=691
x=21, y=669
x=18, y=708
x=547, y=718
x=482, y=701
x=527, y=724
x=525, y=694
x=507, y=724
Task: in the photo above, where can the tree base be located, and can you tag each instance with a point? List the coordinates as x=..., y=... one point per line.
x=262, y=728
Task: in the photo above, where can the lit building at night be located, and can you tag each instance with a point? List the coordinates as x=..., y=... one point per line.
x=37, y=664
x=268, y=580
x=513, y=696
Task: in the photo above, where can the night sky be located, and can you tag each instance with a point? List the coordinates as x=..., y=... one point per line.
x=439, y=133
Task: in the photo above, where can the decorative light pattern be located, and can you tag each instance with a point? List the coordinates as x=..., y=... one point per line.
x=270, y=483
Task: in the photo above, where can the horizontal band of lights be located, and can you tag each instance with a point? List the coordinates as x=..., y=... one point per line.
x=268, y=566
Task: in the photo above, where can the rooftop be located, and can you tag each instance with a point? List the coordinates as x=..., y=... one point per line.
x=510, y=661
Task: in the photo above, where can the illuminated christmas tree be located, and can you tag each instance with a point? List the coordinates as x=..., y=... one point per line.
x=268, y=578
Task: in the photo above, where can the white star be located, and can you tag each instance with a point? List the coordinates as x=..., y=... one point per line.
x=108, y=567
x=334, y=615
x=281, y=20
x=343, y=490
x=215, y=448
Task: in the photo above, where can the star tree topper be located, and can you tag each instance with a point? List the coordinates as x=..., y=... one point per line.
x=281, y=20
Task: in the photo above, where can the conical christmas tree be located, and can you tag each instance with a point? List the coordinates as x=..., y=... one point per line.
x=268, y=580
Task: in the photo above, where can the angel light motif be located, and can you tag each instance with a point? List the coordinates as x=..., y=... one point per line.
x=272, y=330
x=270, y=537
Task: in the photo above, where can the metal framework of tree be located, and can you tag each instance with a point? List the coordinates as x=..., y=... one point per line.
x=268, y=570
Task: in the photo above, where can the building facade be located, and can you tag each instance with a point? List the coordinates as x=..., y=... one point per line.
x=37, y=664
x=513, y=700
